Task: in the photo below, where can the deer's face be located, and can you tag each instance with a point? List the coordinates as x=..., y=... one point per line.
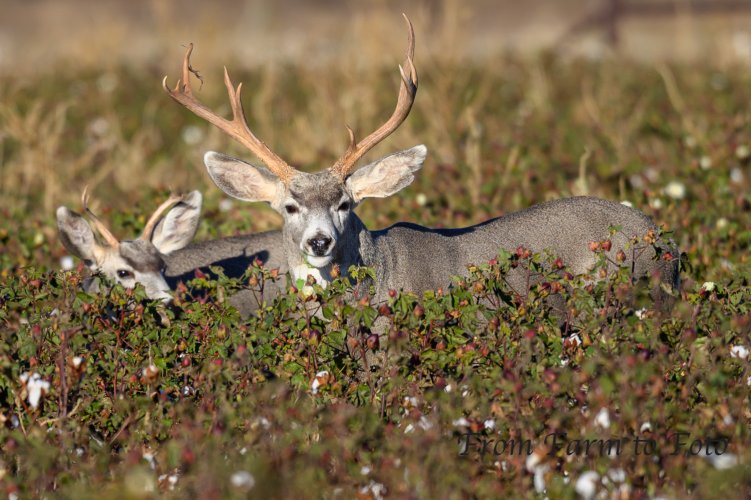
x=317, y=208
x=133, y=261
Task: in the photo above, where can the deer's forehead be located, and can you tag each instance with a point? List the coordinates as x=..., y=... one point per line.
x=316, y=190
x=142, y=256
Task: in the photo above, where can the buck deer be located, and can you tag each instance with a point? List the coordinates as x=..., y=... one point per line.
x=321, y=230
x=161, y=256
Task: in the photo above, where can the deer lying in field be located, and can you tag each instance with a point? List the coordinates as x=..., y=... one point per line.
x=162, y=256
x=321, y=230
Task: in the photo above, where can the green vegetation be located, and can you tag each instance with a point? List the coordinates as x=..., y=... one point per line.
x=193, y=401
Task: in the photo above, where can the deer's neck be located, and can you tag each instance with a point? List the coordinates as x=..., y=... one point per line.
x=356, y=248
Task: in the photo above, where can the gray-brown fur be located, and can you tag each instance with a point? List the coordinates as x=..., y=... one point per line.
x=142, y=256
x=234, y=255
x=563, y=227
x=325, y=189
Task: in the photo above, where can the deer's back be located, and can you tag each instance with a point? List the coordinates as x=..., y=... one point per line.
x=418, y=258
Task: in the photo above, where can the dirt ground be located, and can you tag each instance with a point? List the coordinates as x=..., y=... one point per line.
x=39, y=35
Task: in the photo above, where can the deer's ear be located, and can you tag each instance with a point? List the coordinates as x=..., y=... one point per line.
x=386, y=176
x=178, y=227
x=242, y=180
x=76, y=235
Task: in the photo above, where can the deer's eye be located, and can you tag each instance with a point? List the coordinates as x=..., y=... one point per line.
x=344, y=206
x=124, y=274
x=291, y=209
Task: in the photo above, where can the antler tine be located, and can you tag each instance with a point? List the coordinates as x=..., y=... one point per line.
x=237, y=128
x=98, y=224
x=148, y=229
x=407, y=92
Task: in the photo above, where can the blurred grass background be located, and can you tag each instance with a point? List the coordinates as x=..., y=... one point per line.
x=517, y=104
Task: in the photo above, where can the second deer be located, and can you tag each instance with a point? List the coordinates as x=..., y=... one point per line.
x=163, y=255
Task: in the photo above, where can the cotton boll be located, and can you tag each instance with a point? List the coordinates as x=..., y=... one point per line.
x=603, y=418
x=242, y=480
x=36, y=387
x=66, y=263
x=586, y=485
x=739, y=351
x=675, y=190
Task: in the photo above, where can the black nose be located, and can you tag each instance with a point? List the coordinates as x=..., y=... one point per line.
x=320, y=244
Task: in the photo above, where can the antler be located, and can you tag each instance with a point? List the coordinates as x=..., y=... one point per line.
x=237, y=128
x=98, y=224
x=154, y=219
x=407, y=91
